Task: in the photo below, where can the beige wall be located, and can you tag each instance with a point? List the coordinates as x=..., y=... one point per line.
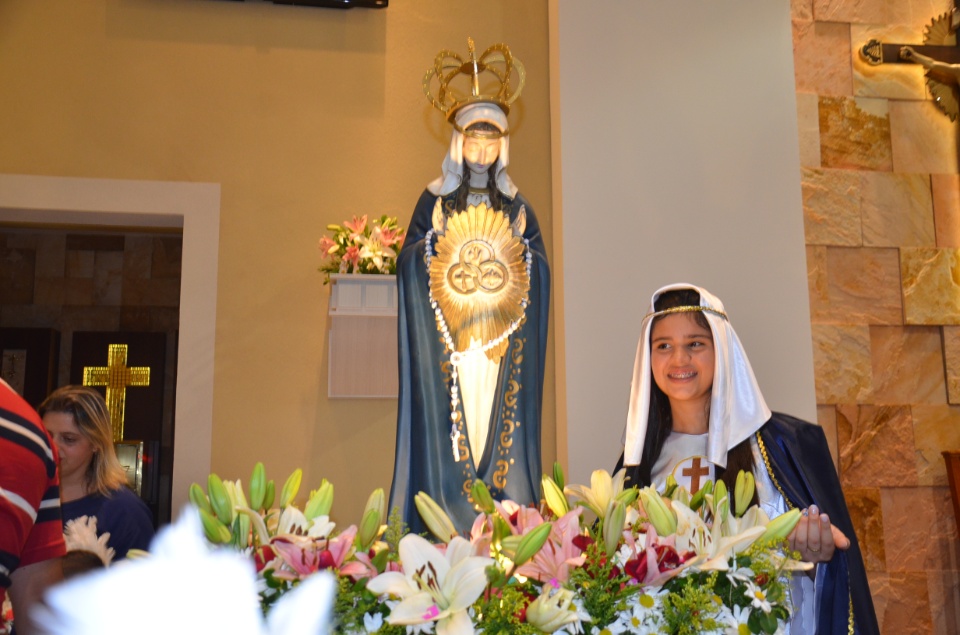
x=304, y=117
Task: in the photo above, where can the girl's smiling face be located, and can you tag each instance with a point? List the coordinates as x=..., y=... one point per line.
x=682, y=357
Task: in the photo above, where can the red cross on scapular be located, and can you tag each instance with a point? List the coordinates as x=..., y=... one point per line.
x=695, y=472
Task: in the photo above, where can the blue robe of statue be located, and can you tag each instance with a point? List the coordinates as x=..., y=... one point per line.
x=510, y=465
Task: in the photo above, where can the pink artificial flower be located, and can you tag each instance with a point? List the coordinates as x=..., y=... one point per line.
x=559, y=554
x=390, y=235
x=352, y=256
x=327, y=246
x=357, y=226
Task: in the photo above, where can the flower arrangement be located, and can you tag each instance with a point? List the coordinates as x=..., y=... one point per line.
x=648, y=563
x=357, y=246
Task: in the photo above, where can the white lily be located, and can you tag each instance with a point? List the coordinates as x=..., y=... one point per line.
x=603, y=490
x=713, y=546
x=434, y=587
x=551, y=610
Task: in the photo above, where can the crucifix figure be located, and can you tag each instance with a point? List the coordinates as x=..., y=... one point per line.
x=939, y=55
x=695, y=472
x=116, y=376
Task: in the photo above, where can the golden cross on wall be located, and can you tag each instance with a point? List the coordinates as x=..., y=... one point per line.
x=695, y=472
x=116, y=376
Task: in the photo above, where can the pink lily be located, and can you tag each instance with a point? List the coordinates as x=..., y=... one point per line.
x=559, y=554
x=327, y=246
x=356, y=226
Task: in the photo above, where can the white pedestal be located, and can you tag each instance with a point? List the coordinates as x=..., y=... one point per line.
x=362, y=360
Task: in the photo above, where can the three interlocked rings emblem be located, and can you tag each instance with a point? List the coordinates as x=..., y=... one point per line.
x=477, y=269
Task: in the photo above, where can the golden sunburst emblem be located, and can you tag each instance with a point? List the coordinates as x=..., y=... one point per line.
x=479, y=278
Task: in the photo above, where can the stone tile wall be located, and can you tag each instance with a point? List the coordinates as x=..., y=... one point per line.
x=881, y=197
x=73, y=281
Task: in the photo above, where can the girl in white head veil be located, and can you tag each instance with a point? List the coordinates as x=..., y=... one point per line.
x=737, y=408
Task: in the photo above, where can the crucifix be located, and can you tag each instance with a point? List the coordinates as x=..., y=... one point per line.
x=116, y=376
x=695, y=472
x=939, y=54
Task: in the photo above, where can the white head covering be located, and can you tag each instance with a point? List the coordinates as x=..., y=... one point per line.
x=453, y=163
x=737, y=408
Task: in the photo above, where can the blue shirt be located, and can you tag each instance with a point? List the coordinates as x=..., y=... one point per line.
x=123, y=514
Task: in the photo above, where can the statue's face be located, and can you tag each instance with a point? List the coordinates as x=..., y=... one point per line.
x=480, y=154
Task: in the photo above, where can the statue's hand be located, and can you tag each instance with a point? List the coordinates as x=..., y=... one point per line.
x=906, y=53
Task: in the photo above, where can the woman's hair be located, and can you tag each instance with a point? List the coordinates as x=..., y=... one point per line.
x=496, y=199
x=89, y=411
x=660, y=418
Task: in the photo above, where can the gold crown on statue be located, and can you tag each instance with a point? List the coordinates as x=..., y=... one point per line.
x=486, y=78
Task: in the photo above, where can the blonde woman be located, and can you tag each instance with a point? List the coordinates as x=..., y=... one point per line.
x=92, y=481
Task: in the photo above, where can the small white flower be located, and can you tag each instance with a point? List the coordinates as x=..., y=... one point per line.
x=372, y=622
x=758, y=598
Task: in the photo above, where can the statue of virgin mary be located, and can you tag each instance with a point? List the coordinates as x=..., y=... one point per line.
x=474, y=289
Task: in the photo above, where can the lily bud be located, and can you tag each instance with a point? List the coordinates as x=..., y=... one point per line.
x=613, y=528
x=697, y=500
x=377, y=501
x=435, y=518
x=743, y=492
x=781, y=526
x=270, y=495
x=661, y=517
x=321, y=501
x=721, y=501
x=291, y=487
x=558, y=475
x=670, y=486
x=220, y=499
x=553, y=495
x=531, y=543
x=481, y=496
x=258, y=486
x=628, y=496
x=215, y=531
x=369, y=529
x=199, y=499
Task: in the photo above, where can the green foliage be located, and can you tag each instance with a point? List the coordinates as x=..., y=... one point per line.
x=691, y=609
x=603, y=588
x=502, y=610
x=354, y=602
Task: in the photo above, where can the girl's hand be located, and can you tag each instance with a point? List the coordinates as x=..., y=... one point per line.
x=815, y=538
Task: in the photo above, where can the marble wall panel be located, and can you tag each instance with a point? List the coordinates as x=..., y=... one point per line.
x=831, y=207
x=108, y=278
x=167, y=256
x=907, y=365
x=915, y=12
x=79, y=263
x=827, y=419
x=902, y=602
x=51, y=255
x=935, y=429
x=944, y=590
x=897, y=210
x=841, y=358
x=931, y=285
x=876, y=446
x=893, y=81
x=821, y=58
x=861, y=287
x=817, y=282
x=16, y=275
x=951, y=358
x=152, y=292
x=855, y=133
x=30, y=315
x=137, y=257
x=866, y=513
x=919, y=528
x=923, y=138
x=946, y=208
x=808, y=126
x=801, y=9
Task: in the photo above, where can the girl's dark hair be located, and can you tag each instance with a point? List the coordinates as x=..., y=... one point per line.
x=496, y=198
x=660, y=418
